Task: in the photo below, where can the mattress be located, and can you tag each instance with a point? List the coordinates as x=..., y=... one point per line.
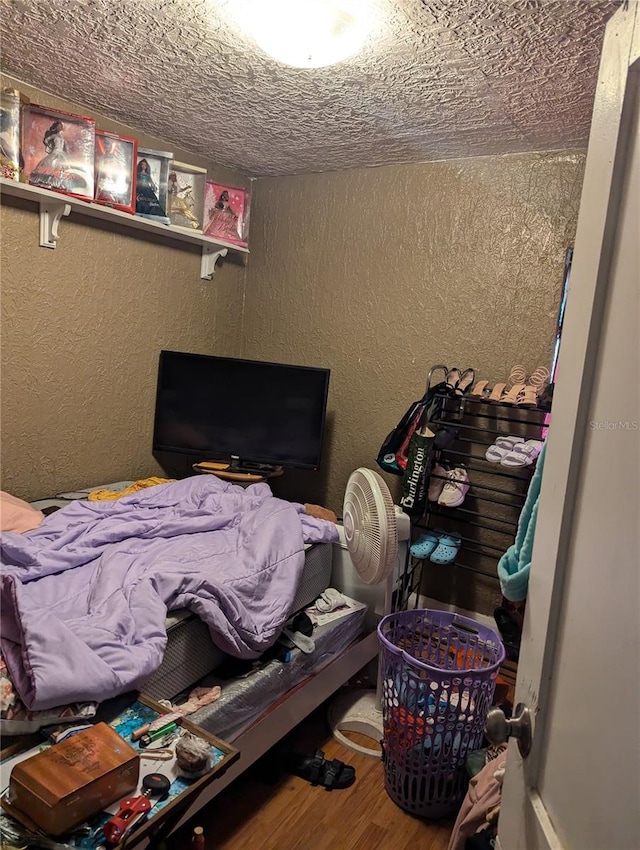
x=244, y=698
x=190, y=652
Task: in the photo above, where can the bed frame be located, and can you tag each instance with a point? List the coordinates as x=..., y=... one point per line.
x=289, y=710
x=286, y=713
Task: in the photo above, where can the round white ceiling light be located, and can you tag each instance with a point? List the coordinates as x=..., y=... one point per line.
x=306, y=33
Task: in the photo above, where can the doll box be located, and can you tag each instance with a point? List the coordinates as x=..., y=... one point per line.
x=58, y=149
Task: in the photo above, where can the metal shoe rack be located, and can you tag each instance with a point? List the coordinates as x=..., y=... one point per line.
x=487, y=520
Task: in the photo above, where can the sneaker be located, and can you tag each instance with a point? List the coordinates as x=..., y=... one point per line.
x=455, y=489
x=436, y=482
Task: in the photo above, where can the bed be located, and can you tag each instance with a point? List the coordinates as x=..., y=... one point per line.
x=191, y=654
x=280, y=695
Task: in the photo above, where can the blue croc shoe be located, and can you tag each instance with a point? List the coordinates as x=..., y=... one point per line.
x=447, y=549
x=425, y=544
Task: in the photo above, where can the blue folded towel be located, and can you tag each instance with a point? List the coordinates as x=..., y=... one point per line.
x=515, y=565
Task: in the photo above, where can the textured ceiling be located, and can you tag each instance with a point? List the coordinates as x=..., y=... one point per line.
x=437, y=79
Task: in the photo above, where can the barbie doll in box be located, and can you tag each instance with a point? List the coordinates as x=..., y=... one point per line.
x=147, y=201
x=55, y=169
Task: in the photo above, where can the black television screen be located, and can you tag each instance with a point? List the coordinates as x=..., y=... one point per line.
x=220, y=407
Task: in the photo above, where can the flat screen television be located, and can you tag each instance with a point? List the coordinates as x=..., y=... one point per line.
x=243, y=411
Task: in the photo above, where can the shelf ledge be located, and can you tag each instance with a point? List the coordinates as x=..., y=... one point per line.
x=54, y=207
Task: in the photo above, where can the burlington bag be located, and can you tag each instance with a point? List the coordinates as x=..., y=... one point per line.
x=391, y=451
x=415, y=482
x=394, y=452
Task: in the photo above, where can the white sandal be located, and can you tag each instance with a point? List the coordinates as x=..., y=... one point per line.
x=501, y=447
x=523, y=454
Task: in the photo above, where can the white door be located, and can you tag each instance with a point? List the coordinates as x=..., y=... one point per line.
x=579, y=668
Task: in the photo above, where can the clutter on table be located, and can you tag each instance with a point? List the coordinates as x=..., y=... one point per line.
x=75, y=779
x=193, y=756
x=97, y=790
x=133, y=809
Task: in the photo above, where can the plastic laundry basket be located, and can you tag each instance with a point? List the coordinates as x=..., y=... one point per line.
x=438, y=677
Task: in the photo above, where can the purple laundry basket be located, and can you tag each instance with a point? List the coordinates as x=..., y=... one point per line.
x=438, y=673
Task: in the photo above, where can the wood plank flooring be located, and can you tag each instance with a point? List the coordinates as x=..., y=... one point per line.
x=269, y=810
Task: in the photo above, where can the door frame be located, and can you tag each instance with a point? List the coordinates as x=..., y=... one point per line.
x=524, y=821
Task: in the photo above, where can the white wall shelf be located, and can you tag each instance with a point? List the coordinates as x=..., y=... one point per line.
x=53, y=207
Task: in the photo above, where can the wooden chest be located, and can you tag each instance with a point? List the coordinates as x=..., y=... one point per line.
x=75, y=779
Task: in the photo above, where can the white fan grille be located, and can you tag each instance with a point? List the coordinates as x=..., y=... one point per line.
x=370, y=525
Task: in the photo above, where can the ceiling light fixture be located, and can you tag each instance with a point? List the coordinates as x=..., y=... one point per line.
x=306, y=33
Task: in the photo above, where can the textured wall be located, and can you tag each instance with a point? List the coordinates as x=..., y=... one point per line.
x=380, y=273
x=376, y=273
x=82, y=326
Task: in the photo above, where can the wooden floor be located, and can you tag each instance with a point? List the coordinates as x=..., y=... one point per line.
x=269, y=810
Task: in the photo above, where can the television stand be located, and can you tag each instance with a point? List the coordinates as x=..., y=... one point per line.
x=250, y=473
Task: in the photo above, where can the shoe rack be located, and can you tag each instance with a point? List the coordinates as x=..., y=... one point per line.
x=487, y=520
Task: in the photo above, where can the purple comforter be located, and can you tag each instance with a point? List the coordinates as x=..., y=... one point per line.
x=84, y=596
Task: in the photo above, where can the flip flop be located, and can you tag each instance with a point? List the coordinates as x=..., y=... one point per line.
x=447, y=549
x=425, y=544
x=317, y=770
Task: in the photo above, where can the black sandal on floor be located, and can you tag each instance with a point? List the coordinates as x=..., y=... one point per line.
x=337, y=774
x=310, y=768
x=318, y=771
x=510, y=632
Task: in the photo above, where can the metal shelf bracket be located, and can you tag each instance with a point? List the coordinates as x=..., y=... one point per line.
x=51, y=211
x=210, y=256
